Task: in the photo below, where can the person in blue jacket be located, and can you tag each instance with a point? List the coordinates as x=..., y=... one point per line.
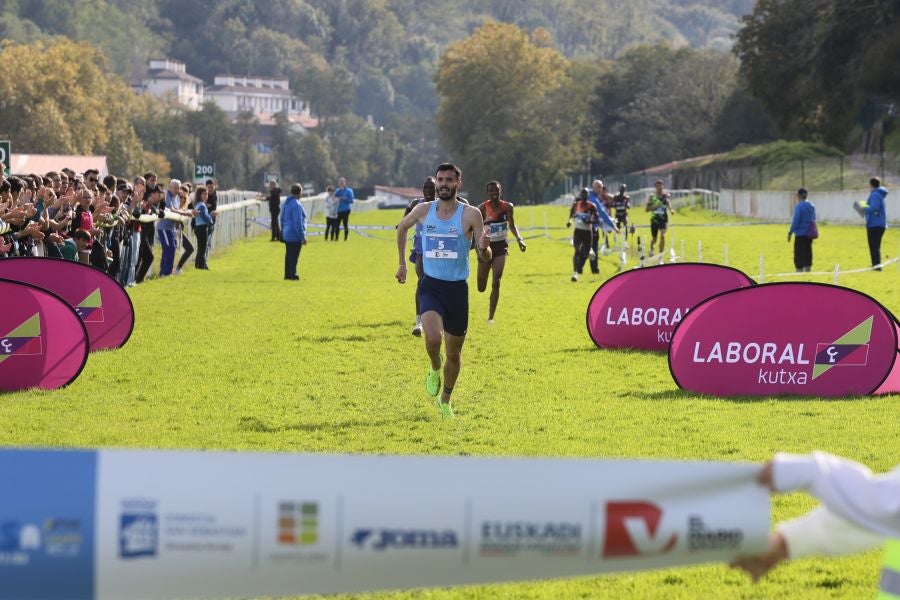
x=293, y=231
x=804, y=217
x=345, y=199
x=876, y=219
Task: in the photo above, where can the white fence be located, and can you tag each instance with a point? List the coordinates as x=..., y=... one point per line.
x=833, y=207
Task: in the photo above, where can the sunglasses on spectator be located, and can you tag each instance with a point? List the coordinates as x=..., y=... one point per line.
x=92, y=180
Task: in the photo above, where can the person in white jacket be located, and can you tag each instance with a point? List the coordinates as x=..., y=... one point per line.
x=858, y=512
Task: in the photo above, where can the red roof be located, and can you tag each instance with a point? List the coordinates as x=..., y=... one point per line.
x=669, y=166
x=403, y=192
x=24, y=164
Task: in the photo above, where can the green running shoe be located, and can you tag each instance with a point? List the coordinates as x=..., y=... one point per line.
x=446, y=409
x=433, y=380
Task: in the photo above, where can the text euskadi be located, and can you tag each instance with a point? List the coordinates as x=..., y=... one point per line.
x=650, y=317
x=784, y=356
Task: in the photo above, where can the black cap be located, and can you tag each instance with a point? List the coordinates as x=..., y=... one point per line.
x=802, y=192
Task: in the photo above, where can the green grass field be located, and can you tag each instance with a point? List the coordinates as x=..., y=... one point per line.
x=238, y=359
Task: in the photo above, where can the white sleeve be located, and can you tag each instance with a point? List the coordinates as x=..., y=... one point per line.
x=846, y=488
x=823, y=532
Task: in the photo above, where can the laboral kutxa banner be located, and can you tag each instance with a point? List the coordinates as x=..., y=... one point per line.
x=776, y=339
x=639, y=309
x=43, y=343
x=130, y=524
x=101, y=302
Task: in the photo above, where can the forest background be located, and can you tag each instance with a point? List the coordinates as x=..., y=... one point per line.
x=516, y=90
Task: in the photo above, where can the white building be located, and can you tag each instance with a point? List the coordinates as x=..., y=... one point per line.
x=168, y=77
x=258, y=95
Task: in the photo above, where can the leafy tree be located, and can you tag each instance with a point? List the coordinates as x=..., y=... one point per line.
x=61, y=100
x=505, y=110
x=810, y=62
x=658, y=104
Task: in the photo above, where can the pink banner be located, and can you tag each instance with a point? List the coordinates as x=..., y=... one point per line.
x=43, y=342
x=640, y=308
x=802, y=339
x=101, y=302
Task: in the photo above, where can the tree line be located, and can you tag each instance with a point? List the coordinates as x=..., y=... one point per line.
x=519, y=90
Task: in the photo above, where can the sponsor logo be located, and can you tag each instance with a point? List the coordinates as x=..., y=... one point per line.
x=404, y=539
x=298, y=523
x=849, y=350
x=24, y=340
x=297, y=533
x=651, y=316
x=138, y=529
x=145, y=531
x=508, y=538
x=701, y=537
x=430, y=228
x=633, y=529
x=638, y=529
x=63, y=537
x=91, y=308
x=18, y=541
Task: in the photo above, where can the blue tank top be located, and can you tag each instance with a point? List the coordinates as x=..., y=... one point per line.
x=445, y=247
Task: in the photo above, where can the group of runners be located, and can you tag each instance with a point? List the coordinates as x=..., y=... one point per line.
x=447, y=227
x=593, y=211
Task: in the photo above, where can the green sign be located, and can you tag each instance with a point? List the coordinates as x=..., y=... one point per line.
x=202, y=172
x=271, y=177
x=6, y=156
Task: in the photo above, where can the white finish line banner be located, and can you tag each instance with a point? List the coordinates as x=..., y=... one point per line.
x=156, y=525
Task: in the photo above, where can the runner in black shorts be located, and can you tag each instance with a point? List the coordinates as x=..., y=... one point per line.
x=621, y=202
x=659, y=204
x=498, y=215
x=448, y=229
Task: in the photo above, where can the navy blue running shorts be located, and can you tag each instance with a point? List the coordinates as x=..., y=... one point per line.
x=450, y=299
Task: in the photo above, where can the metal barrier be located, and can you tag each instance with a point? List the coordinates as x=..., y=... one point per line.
x=238, y=211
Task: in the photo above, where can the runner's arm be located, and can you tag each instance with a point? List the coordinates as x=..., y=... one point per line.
x=514, y=229
x=479, y=236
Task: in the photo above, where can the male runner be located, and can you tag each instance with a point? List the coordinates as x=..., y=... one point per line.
x=448, y=229
x=659, y=220
x=621, y=202
x=585, y=214
x=498, y=215
x=415, y=256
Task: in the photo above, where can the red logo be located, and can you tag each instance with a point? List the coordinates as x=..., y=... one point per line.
x=633, y=529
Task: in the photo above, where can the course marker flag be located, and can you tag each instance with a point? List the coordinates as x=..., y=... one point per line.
x=804, y=339
x=43, y=342
x=158, y=525
x=640, y=308
x=104, y=306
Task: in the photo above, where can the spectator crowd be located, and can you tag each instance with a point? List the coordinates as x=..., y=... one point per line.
x=110, y=223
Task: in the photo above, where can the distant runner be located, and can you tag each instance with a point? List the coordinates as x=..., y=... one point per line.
x=584, y=213
x=498, y=215
x=621, y=202
x=660, y=205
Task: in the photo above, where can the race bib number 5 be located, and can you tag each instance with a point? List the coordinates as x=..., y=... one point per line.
x=439, y=245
